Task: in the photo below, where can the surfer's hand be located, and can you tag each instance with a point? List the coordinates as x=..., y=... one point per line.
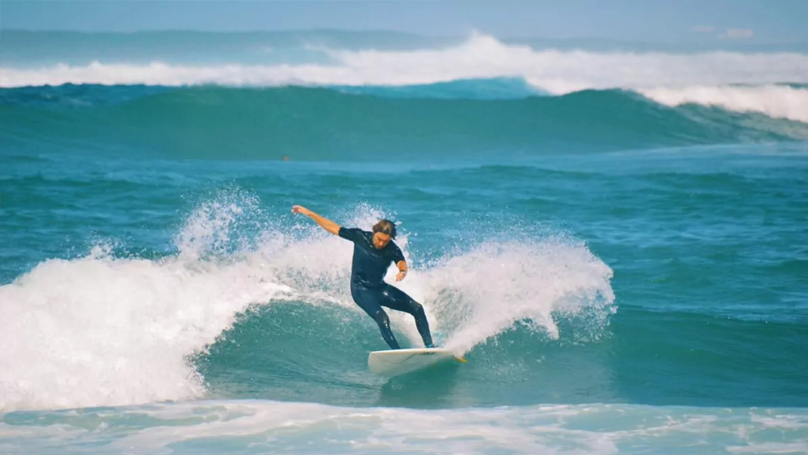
x=401, y=275
x=301, y=210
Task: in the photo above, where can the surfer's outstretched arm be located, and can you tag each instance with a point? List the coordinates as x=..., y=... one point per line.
x=325, y=223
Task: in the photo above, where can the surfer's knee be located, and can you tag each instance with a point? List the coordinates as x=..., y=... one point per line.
x=409, y=305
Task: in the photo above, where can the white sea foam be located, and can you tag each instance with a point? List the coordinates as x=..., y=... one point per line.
x=490, y=289
x=101, y=331
x=775, y=101
x=253, y=426
x=708, y=78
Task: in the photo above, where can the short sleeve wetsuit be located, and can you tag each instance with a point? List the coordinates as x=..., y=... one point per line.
x=371, y=293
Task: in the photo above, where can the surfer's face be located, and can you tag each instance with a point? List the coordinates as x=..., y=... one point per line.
x=380, y=240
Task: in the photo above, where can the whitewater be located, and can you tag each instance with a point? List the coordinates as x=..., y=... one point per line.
x=736, y=81
x=89, y=352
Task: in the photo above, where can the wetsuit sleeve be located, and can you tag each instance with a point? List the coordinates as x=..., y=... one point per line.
x=398, y=256
x=351, y=234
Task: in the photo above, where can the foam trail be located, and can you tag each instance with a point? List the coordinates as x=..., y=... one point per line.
x=478, y=295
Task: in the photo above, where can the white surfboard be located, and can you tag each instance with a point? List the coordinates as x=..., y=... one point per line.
x=400, y=361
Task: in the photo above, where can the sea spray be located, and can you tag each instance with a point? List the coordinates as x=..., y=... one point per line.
x=102, y=330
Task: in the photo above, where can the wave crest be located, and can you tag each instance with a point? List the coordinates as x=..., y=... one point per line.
x=668, y=78
x=104, y=331
x=773, y=100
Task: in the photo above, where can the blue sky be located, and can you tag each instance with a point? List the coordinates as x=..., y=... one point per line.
x=753, y=21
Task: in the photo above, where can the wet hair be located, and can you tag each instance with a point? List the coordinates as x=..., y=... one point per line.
x=385, y=227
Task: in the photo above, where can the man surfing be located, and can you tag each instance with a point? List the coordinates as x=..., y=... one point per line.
x=373, y=252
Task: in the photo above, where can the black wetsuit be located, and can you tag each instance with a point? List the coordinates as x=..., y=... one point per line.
x=370, y=291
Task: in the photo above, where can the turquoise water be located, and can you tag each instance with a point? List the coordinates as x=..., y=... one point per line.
x=623, y=274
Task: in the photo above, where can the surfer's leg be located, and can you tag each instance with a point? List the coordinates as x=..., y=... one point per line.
x=368, y=300
x=384, y=326
x=395, y=298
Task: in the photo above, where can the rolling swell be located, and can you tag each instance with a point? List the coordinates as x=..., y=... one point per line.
x=321, y=123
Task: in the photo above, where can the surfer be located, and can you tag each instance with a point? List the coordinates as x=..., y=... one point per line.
x=373, y=252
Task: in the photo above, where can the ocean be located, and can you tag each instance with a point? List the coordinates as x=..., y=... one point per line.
x=615, y=238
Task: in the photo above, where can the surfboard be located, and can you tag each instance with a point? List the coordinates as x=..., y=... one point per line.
x=400, y=361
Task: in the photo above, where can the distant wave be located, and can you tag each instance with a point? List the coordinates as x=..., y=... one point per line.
x=327, y=124
x=668, y=78
x=773, y=100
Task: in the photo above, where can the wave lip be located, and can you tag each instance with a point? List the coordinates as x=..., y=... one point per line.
x=776, y=101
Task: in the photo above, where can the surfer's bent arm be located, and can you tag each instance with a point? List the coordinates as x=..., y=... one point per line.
x=324, y=223
x=400, y=262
